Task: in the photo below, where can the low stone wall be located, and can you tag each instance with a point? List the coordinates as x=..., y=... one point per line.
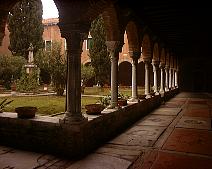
x=46, y=134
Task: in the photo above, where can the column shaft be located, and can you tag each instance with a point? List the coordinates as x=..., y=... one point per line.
x=114, y=80
x=113, y=48
x=155, y=71
x=73, y=94
x=147, y=79
x=134, y=79
x=161, y=79
x=166, y=79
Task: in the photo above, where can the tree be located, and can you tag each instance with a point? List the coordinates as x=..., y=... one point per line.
x=87, y=72
x=42, y=60
x=10, y=68
x=25, y=26
x=100, y=59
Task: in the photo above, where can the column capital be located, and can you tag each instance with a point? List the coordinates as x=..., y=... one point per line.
x=74, y=29
x=166, y=66
x=155, y=63
x=161, y=65
x=113, y=46
x=134, y=54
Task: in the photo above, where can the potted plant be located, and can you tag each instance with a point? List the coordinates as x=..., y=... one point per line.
x=26, y=111
x=122, y=99
x=3, y=104
x=94, y=109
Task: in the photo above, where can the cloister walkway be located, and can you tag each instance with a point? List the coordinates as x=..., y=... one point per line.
x=177, y=135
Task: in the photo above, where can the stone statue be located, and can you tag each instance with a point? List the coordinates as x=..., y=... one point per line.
x=30, y=56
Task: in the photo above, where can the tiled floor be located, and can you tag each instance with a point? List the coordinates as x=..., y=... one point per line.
x=188, y=142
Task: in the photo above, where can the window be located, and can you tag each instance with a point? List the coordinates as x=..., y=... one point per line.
x=88, y=43
x=48, y=45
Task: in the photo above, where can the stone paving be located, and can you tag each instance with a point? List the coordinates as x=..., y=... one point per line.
x=177, y=135
x=186, y=142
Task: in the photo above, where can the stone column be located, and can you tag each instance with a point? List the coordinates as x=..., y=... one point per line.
x=113, y=48
x=73, y=113
x=155, y=65
x=173, y=78
x=135, y=56
x=147, y=79
x=166, y=78
x=176, y=78
x=162, y=91
x=170, y=78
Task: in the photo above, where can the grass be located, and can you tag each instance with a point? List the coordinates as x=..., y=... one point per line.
x=106, y=91
x=47, y=105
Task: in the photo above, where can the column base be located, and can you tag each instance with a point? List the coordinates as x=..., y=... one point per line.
x=73, y=119
x=134, y=100
x=157, y=93
x=113, y=107
x=148, y=96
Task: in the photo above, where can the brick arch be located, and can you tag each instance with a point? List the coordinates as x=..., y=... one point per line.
x=111, y=23
x=125, y=77
x=156, y=52
x=163, y=56
x=5, y=7
x=167, y=58
x=132, y=36
x=126, y=59
x=146, y=47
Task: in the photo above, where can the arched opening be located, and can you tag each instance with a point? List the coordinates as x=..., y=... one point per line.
x=125, y=74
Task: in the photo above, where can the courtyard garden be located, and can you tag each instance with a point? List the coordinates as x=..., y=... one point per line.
x=52, y=104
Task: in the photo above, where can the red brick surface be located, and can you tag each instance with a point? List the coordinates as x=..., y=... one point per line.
x=198, y=113
x=190, y=140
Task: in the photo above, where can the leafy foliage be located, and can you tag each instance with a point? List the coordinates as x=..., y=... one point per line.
x=42, y=60
x=28, y=82
x=25, y=26
x=100, y=59
x=54, y=63
x=10, y=68
x=4, y=103
x=58, y=68
x=87, y=72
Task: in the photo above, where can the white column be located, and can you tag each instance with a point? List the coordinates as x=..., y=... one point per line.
x=173, y=78
x=176, y=78
x=155, y=71
x=147, y=80
x=162, y=79
x=170, y=78
x=166, y=78
x=135, y=56
x=113, y=48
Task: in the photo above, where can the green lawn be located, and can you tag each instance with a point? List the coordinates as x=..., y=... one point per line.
x=46, y=105
x=105, y=91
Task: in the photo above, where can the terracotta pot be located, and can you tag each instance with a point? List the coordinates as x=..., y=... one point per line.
x=122, y=102
x=94, y=109
x=26, y=111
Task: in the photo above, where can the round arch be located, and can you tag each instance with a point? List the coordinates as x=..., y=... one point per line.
x=146, y=47
x=156, y=52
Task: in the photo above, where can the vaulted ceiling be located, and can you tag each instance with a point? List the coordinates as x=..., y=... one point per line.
x=185, y=28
